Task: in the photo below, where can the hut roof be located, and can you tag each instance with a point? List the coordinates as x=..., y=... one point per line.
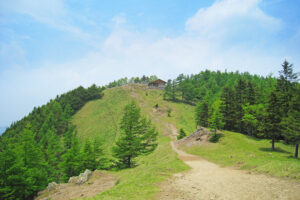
x=158, y=81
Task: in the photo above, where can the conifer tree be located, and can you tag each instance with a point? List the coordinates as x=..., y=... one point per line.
x=291, y=123
x=168, y=90
x=202, y=114
x=284, y=86
x=138, y=137
x=216, y=121
x=227, y=108
x=250, y=93
x=88, y=156
x=181, y=134
x=273, y=119
x=240, y=100
x=72, y=163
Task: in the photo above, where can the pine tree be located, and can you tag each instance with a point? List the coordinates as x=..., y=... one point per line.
x=31, y=164
x=216, y=120
x=138, y=137
x=53, y=152
x=168, y=90
x=202, y=114
x=181, y=134
x=250, y=93
x=227, y=108
x=240, y=100
x=88, y=156
x=72, y=163
x=273, y=119
x=284, y=86
x=291, y=123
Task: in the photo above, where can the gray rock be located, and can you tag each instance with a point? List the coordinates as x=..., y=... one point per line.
x=82, y=178
x=51, y=186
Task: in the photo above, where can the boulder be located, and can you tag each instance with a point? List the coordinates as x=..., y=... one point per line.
x=82, y=178
x=51, y=186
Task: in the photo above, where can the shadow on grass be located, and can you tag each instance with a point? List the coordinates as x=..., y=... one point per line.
x=215, y=137
x=278, y=149
x=180, y=101
x=253, y=138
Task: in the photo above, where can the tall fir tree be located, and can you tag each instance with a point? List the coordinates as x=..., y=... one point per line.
x=216, y=120
x=273, y=119
x=291, y=123
x=284, y=86
x=202, y=114
x=240, y=100
x=138, y=137
x=227, y=108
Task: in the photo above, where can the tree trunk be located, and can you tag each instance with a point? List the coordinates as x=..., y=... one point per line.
x=129, y=161
x=273, y=144
x=296, y=150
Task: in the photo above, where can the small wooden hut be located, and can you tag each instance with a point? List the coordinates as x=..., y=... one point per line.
x=157, y=84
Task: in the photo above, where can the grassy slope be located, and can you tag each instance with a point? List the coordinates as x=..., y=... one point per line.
x=100, y=118
x=252, y=154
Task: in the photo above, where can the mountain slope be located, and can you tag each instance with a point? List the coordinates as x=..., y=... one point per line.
x=100, y=118
x=152, y=177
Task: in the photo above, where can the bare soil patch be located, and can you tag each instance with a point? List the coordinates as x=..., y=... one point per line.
x=98, y=183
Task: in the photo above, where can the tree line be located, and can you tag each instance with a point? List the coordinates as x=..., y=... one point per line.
x=256, y=106
x=124, y=81
x=43, y=147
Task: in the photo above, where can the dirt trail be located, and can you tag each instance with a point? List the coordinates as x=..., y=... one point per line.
x=207, y=180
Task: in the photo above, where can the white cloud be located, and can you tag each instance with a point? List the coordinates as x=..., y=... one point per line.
x=50, y=12
x=126, y=52
x=223, y=16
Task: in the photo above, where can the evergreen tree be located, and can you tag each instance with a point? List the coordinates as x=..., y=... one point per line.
x=291, y=123
x=253, y=118
x=216, y=121
x=72, y=160
x=88, y=156
x=273, y=119
x=181, y=134
x=202, y=114
x=240, y=100
x=284, y=86
x=52, y=153
x=250, y=93
x=227, y=108
x=138, y=137
x=168, y=90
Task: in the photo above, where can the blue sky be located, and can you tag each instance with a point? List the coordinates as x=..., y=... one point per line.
x=51, y=46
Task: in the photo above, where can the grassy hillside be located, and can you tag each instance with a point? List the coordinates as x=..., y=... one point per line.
x=253, y=154
x=101, y=118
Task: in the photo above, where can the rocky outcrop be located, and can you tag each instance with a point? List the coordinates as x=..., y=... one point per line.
x=82, y=178
x=199, y=137
x=51, y=186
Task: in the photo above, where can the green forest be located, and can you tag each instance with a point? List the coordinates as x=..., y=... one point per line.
x=262, y=107
x=43, y=146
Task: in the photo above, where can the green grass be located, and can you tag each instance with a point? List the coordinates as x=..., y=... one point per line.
x=101, y=118
x=142, y=182
x=243, y=152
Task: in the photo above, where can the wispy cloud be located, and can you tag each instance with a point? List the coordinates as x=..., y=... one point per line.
x=49, y=12
x=128, y=52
